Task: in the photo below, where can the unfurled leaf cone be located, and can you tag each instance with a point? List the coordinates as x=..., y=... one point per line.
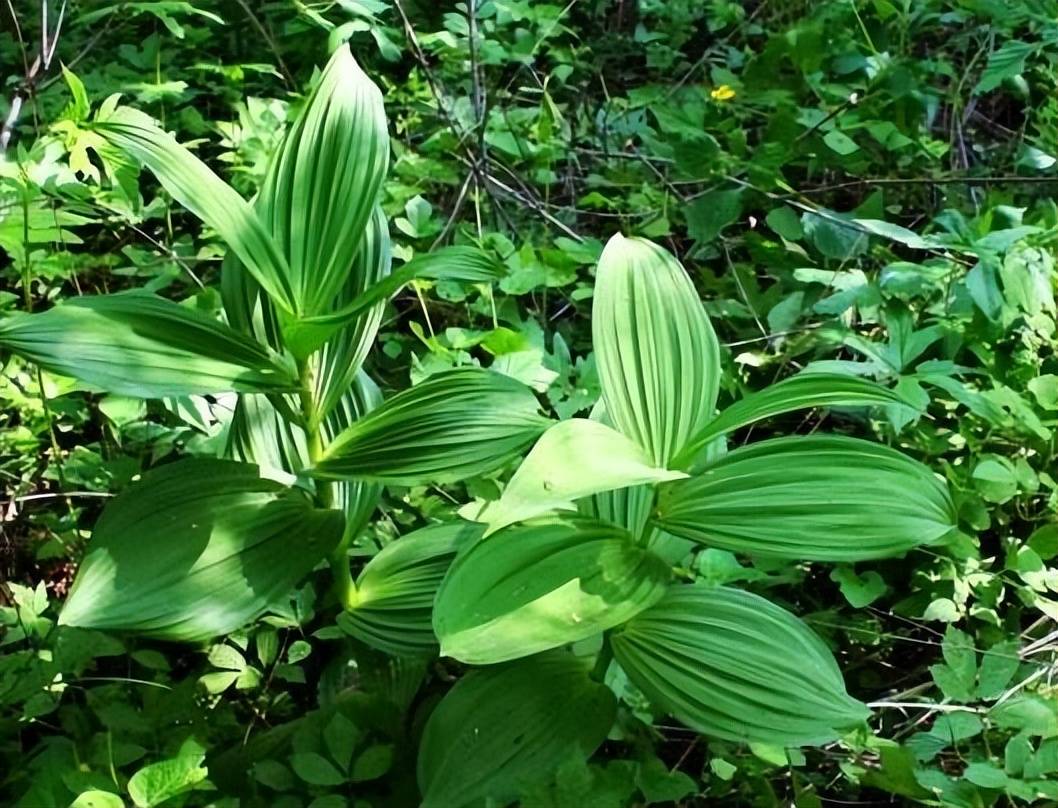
x=196, y=549
x=735, y=666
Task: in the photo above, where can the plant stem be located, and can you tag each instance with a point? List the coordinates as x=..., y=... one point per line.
x=344, y=585
x=603, y=660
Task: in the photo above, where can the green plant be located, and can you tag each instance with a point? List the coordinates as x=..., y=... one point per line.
x=648, y=474
x=198, y=548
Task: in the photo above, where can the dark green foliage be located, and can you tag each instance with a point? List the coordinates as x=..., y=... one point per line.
x=862, y=196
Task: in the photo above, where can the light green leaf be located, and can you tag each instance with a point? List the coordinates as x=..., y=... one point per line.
x=79, y=107
x=998, y=666
x=735, y=666
x=158, y=782
x=798, y=392
x=323, y=184
x=397, y=588
x=140, y=345
x=785, y=222
x=541, y=585
x=504, y=729
x=657, y=355
x=841, y=143
x=815, y=498
x=573, y=459
x=97, y=799
x=454, y=425
x=342, y=356
x=197, y=549
x=825, y=498
x=197, y=188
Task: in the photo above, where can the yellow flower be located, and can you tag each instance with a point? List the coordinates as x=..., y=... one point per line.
x=722, y=93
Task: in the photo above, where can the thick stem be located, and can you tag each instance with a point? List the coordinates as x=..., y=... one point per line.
x=344, y=585
x=603, y=660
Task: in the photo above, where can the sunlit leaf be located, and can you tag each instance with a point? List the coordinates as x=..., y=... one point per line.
x=454, y=425
x=795, y=393
x=197, y=188
x=573, y=459
x=735, y=666
x=825, y=498
x=459, y=263
x=142, y=345
x=324, y=182
x=540, y=585
x=655, y=349
x=196, y=549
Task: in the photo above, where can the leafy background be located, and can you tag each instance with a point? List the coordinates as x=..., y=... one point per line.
x=864, y=187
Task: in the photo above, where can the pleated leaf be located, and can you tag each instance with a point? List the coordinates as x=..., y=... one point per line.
x=505, y=729
x=191, y=183
x=137, y=344
x=197, y=549
x=457, y=263
x=323, y=184
x=573, y=459
x=657, y=355
x=795, y=393
x=735, y=666
x=357, y=499
x=454, y=425
x=342, y=356
x=396, y=590
x=540, y=585
x=825, y=498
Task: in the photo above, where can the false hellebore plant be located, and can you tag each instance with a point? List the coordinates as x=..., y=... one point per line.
x=584, y=537
x=198, y=548
x=583, y=540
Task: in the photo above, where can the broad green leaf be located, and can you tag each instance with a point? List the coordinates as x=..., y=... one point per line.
x=573, y=459
x=196, y=549
x=322, y=186
x=504, y=729
x=540, y=585
x=158, y=782
x=396, y=589
x=824, y=498
x=315, y=769
x=657, y=355
x=453, y=425
x=735, y=666
x=137, y=344
x=466, y=264
x=197, y=188
x=97, y=799
x=1005, y=62
x=795, y=393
